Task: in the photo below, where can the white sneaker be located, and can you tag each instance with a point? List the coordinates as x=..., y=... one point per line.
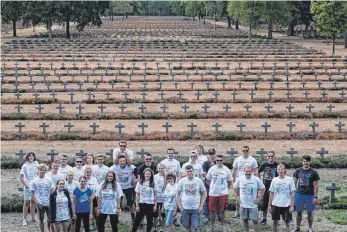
x=309, y=230
x=25, y=222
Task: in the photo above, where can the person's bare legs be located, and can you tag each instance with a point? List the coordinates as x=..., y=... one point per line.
x=42, y=227
x=222, y=218
x=287, y=226
x=66, y=226
x=264, y=214
x=310, y=219
x=32, y=210
x=298, y=219
x=246, y=225
x=212, y=217
x=274, y=225
x=58, y=226
x=256, y=226
x=25, y=209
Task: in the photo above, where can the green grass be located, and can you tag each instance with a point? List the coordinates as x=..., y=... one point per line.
x=335, y=216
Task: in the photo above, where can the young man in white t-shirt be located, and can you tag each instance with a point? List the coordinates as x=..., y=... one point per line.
x=219, y=179
x=122, y=150
x=190, y=197
x=171, y=164
x=64, y=168
x=281, y=200
x=198, y=172
x=100, y=169
x=41, y=187
x=199, y=149
x=238, y=169
x=246, y=190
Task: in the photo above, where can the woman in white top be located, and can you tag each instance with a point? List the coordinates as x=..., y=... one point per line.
x=54, y=175
x=170, y=204
x=70, y=186
x=28, y=172
x=90, y=161
x=78, y=169
x=92, y=183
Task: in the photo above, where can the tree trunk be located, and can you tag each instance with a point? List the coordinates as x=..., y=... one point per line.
x=306, y=33
x=269, y=31
x=193, y=17
x=199, y=17
x=204, y=19
x=215, y=19
x=67, y=26
x=249, y=32
x=14, y=28
x=229, y=22
x=233, y=21
x=290, y=31
x=49, y=28
x=334, y=44
x=237, y=24
x=346, y=39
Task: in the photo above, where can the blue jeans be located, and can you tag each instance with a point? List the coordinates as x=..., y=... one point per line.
x=190, y=218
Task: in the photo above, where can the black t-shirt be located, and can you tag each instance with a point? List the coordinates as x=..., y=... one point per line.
x=270, y=172
x=305, y=180
x=142, y=167
x=205, y=167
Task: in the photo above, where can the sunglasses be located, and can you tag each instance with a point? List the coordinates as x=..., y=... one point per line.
x=83, y=181
x=270, y=156
x=211, y=153
x=123, y=145
x=148, y=159
x=169, y=178
x=219, y=160
x=193, y=156
x=245, y=150
x=78, y=161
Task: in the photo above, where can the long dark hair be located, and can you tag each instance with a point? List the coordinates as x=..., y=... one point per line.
x=26, y=158
x=106, y=182
x=151, y=180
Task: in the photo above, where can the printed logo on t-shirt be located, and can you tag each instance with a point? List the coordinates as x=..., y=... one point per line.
x=280, y=187
x=107, y=194
x=218, y=178
x=269, y=173
x=191, y=189
x=304, y=179
x=247, y=188
x=123, y=177
x=83, y=198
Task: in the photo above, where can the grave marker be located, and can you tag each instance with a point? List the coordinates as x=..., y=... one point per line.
x=119, y=126
x=44, y=126
x=340, y=126
x=142, y=126
x=69, y=126
x=232, y=153
x=21, y=154
x=322, y=152
x=167, y=126
x=216, y=126
x=332, y=190
x=292, y=152
x=262, y=152
x=191, y=126
x=94, y=126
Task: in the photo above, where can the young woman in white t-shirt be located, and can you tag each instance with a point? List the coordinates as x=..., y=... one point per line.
x=70, y=186
x=146, y=199
x=170, y=204
x=28, y=172
x=90, y=161
x=92, y=183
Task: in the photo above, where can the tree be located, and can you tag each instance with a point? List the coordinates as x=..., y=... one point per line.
x=12, y=11
x=217, y=9
x=330, y=18
x=123, y=8
x=178, y=7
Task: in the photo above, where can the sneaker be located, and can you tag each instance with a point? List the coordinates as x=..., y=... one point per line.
x=92, y=227
x=296, y=229
x=236, y=215
x=140, y=226
x=175, y=222
x=263, y=222
x=25, y=222
x=33, y=220
x=309, y=230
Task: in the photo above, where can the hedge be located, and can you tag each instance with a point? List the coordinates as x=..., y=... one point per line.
x=329, y=162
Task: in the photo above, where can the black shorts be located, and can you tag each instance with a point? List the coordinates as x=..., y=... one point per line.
x=130, y=196
x=265, y=201
x=41, y=210
x=276, y=213
x=159, y=207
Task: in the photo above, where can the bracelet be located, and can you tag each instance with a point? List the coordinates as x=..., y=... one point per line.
x=316, y=197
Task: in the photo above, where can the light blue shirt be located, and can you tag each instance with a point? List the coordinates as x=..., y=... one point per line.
x=109, y=198
x=42, y=188
x=124, y=175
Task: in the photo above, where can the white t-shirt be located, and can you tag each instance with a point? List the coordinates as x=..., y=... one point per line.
x=201, y=159
x=160, y=180
x=43, y=188
x=191, y=192
x=127, y=152
x=78, y=172
x=92, y=184
x=170, y=197
x=146, y=192
x=171, y=166
x=282, y=189
x=240, y=163
x=100, y=172
x=71, y=187
x=219, y=178
x=124, y=175
x=109, y=198
x=62, y=211
x=55, y=177
x=196, y=167
x=29, y=171
x=248, y=190
x=65, y=170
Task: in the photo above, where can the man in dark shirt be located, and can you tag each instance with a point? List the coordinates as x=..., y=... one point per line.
x=148, y=164
x=306, y=179
x=270, y=171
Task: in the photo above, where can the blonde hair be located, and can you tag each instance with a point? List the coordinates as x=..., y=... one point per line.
x=43, y=167
x=87, y=169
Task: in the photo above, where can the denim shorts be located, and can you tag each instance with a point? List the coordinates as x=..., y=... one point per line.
x=63, y=221
x=41, y=210
x=27, y=194
x=169, y=217
x=190, y=218
x=249, y=214
x=301, y=200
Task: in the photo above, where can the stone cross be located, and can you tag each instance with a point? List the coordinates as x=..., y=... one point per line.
x=205, y=107
x=164, y=108
x=314, y=125
x=322, y=152
x=94, y=126
x=262, y=152
x=19, y=108
x=71, y=95
x=216, y=126
x=198, y=94
x=52, y=154
x=39, y=107
x=268, y=108
x=122, y=107
x=69, y=126
x=265, y=125
x=141, y=153
x=332, y=190
x=232, y=153
x=167, y=126
x=80, y=108
x=330, y=108
x=247, y=107
x=241, y=125
x=60, y=108
x=180, y=94
x=143, y=126
x=309, y=107
x=20, y=126
x=216, y=94
x=234, y=93
x=125, y=94
x=21, y=154
x=191, y=126
x=161, y=94
x=340, y=125
x=142, y=108
x=119, y=126
x=292, y=152
x=227, y=108
x=81, y=153
x=44, y=126
x=306, y=93
x=185, y=107
x=102, y=107
x=110, y=153
x=291, y=125
x=290, y=107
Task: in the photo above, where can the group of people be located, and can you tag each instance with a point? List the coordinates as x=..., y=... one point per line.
x=92, y=192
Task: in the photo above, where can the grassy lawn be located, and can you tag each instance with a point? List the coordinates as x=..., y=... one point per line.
x=335, y=216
